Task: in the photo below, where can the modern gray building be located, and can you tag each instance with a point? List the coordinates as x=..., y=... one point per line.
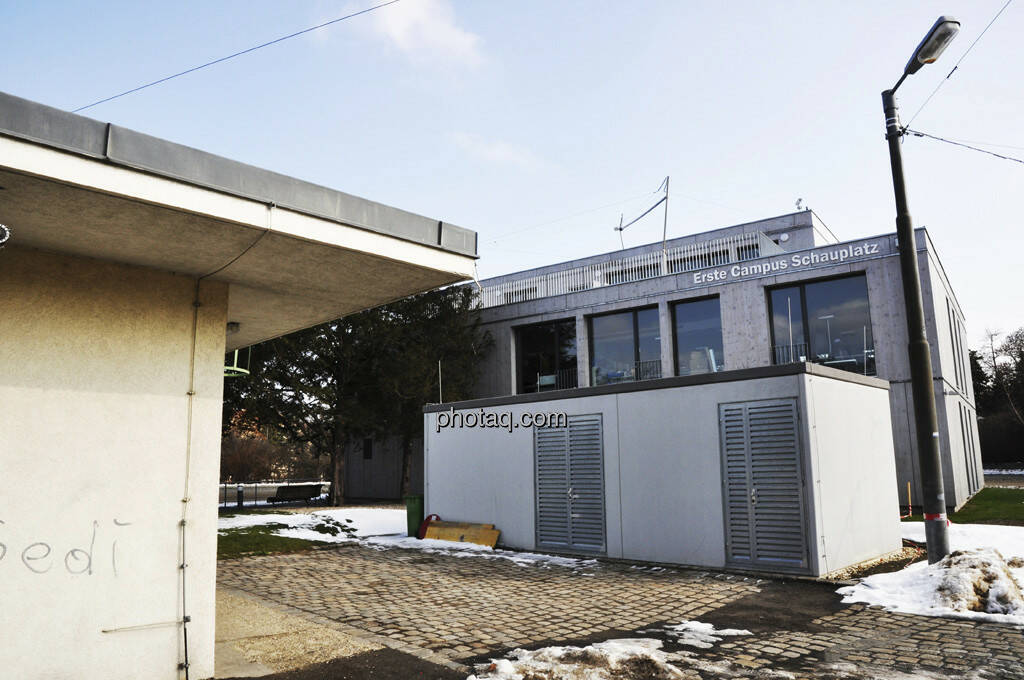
x=734, y=399
x=767, y=293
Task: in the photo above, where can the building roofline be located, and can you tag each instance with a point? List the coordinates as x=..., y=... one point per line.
x=48, y=126
x=699, y=237
x=665, y=383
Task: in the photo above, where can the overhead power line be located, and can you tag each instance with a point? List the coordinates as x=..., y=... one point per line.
x=957, y=64
x=918, y=133
x=974, y=141
x=236, y=54
x=569, y=217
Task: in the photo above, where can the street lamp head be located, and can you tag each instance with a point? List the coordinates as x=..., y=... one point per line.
x=934, y=44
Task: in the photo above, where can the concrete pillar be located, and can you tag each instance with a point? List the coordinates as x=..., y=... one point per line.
x=668, y=363
x=582, y=352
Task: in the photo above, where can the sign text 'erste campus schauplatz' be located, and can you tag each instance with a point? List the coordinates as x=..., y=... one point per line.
x=796, y=261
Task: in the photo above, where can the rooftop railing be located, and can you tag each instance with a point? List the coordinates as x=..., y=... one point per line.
x=713, y=253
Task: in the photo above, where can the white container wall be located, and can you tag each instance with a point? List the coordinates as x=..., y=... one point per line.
x=786, y=468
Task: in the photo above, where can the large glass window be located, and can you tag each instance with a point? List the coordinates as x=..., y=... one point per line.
x=625, y=346
x=824, y=322
x=698, y=326
x=547, y=356
x=788, y=342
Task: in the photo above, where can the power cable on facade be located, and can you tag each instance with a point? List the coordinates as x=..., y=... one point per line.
x=236, y=54
x=957, y=64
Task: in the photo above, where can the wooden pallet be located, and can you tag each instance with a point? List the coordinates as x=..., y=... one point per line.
x=464, y=532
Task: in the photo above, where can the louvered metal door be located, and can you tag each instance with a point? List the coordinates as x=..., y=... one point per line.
x=763, y=485
x=569, y=472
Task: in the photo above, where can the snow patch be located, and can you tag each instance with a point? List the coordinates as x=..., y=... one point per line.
x=459, y=549
x=1006, y=539
x=609, y=660
x=973, y=583
x=384, y=529
x=701, y=635
x=351, y=522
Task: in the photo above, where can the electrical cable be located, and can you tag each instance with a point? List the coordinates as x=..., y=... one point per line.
x=236, y=54
x=957, y=64
x=918, y=133
x=974, y=141
x=183, y=564
x=191, y=394
x=569, y=217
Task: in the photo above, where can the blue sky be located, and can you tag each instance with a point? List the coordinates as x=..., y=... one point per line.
x=536, y=123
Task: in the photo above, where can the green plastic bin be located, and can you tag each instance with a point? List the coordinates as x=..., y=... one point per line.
x=414, y=512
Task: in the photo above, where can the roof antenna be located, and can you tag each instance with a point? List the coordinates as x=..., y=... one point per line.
x=664, y=230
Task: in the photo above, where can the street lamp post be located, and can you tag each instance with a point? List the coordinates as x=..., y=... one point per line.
x=929, y=461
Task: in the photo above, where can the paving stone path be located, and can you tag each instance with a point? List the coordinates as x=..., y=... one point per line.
x=461, y=610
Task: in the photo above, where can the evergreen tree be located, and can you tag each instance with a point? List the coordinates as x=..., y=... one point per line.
x=364, y=375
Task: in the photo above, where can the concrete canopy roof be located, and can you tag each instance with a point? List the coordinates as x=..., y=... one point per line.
x=293, y=253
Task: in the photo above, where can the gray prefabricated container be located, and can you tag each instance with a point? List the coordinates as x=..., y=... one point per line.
x=784, y=468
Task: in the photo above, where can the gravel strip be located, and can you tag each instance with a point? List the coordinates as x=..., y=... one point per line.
x=279, y=640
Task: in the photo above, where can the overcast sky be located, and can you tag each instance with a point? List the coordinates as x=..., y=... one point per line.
x=536, y=123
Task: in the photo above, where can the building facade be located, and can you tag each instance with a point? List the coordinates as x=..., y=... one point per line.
x=777, y=291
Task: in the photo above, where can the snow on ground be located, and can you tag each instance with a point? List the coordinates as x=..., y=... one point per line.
x=361, y=522
x=1006, y=539
x=627, y=658
x=1005, y=472
x=460, y=549
x=383, y=529
x=980, y=579
x=636, y=658
x=701, y=635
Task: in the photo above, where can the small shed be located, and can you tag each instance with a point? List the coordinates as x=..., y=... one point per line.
x=784, y=469
x=132, y=265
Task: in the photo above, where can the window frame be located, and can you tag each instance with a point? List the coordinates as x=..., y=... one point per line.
x=672, y=304
x=636, y=335
x=802, y=284
x=516, y=339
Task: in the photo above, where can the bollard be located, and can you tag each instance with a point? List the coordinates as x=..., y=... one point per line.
x=240, y=494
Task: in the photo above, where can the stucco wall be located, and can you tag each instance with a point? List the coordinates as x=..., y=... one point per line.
x=663, y=470
x=94, y=370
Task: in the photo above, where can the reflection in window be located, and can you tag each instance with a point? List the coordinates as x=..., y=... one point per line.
x=824, y=322
x=625, y=347
x=698, y=325
x=547, y=356
x=789, y=344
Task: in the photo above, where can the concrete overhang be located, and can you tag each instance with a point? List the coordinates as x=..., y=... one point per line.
x=293, y=253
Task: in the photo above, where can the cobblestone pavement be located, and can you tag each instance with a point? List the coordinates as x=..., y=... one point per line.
x=459, y=610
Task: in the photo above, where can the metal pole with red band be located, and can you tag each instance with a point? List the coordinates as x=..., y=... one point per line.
x=933, y=497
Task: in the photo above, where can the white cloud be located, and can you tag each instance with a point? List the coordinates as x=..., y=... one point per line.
x=496, y=151
x=427, y=30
